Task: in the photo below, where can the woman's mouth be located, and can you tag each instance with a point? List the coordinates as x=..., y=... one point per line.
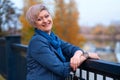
x=46, y=24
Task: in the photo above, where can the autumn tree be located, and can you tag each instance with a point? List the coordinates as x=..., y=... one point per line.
x=111, y=30
x=9, y=16
x=66, y=22
x=27, y=29
x=99, y=30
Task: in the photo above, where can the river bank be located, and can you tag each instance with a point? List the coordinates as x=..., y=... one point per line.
x=109, y=57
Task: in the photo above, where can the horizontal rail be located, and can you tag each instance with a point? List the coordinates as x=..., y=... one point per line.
x=20, y=47
x=2, y=41
x=102, y=67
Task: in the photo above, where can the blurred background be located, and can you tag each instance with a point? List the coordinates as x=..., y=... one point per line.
x=93, y=25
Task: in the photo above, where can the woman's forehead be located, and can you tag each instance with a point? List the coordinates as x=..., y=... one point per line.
x=43, y=13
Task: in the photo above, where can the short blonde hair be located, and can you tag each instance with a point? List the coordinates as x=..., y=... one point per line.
x=33, y=11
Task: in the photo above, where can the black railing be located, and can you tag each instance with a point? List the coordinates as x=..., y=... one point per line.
x=13, y=63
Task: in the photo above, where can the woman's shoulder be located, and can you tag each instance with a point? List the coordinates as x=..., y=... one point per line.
x=37, y=37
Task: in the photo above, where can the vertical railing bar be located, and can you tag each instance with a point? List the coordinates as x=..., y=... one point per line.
x=104, y=77
x=87, y=75
x=80, y=73
x=69, y=77
x=115, y=79
x=95, y=76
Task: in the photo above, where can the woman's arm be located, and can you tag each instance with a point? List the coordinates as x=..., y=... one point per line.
x=69, y=49
x=79, y=57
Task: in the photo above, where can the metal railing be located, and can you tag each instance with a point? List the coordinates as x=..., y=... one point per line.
x=13, y=63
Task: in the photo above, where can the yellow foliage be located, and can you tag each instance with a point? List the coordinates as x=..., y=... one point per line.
x=27, y=30
x=65, y=22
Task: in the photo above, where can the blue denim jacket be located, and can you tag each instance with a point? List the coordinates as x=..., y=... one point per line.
x=43, y=61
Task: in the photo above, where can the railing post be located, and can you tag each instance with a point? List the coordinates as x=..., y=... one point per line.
x=12, y=73
x=2, y=58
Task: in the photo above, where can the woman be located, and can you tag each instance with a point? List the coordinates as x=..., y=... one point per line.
x=49, y=57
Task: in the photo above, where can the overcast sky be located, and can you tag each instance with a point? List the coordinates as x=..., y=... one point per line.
x=98, y=11
x=93, y=12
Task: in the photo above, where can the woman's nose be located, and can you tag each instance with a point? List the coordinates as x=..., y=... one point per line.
x=44, y=20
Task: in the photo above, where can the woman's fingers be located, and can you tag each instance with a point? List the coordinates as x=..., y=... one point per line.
x=94, y=55
x=74, y=63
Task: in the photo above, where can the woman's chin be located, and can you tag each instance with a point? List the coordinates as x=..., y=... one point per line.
x=48, y=31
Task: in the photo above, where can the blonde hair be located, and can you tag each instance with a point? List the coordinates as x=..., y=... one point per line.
x=33, y=11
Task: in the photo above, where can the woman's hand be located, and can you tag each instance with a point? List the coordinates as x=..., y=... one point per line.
x=78, y=58
x=93, y=55
x=75, y=60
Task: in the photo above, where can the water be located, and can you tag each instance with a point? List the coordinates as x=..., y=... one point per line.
x=90, y=47
x=104, y=50
x=117, y=51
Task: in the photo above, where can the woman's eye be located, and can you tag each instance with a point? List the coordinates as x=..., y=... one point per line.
x=46, y=16
x=39, y=19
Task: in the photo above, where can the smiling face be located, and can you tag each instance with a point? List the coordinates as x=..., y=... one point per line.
x=44, y=21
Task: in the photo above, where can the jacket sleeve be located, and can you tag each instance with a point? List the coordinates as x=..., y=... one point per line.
x=40, y=51
x=69, y=49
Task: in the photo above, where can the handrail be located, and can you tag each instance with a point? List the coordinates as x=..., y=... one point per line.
x=2, y=41
x=20, y=47
x=102, y=67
